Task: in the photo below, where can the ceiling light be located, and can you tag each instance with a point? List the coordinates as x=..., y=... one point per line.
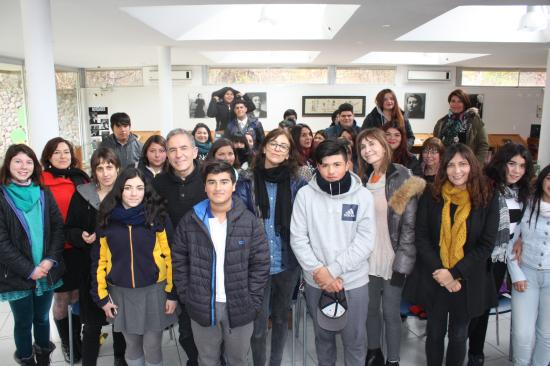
x=261, y=57
x=414, y=58
x=534, y=19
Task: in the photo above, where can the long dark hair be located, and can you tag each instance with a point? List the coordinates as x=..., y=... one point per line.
x=49, y=149
x=155, y=212
x=291, y=162
x=477, y=186
x=401, y=155
x=202, y=125
x=496, y=169
x=159, y=140
x=537, y=195
x=13, y=150
x=296, y=132
x=218, y=144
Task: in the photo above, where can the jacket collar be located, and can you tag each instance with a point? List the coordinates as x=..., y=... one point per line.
x=177, y=179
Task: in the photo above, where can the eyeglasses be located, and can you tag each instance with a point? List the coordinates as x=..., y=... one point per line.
x=430, y=152
x=273, y=145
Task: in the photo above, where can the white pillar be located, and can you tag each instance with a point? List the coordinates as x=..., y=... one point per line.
x=544, y=140
x=42, y=122
x=165, y=90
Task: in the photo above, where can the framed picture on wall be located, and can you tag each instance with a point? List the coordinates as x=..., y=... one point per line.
x=415, y=105
x=260, y=102
x=197, y=105
x=323, y=106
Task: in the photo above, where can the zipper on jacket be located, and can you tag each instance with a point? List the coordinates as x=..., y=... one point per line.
x=213, y=297
x=131, y=257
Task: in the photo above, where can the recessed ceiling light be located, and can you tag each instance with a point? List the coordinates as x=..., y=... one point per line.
x=386, y=25
x=245, y=21
x=261, y=57
x=414, y=58
x=482, y=24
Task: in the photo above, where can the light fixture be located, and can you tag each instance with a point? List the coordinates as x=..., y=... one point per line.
x=533, y=20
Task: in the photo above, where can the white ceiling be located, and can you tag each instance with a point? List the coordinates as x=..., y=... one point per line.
x=91, y=33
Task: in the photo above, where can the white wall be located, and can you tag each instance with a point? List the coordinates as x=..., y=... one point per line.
x=506, y=110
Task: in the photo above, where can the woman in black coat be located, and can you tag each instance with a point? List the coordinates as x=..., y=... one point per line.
x=221, y=106
x=456, y=227
x=80, y=230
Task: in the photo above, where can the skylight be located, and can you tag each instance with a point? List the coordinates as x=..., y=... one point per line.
x=245, y=21
x=481, y=24
x=262, y=57
x=414, y=58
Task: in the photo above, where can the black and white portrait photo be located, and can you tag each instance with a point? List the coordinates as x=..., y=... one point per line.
x=415, y=105
x=260, y=102
x=197, y=106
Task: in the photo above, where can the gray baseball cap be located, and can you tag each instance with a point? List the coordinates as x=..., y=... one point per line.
x=332, y=312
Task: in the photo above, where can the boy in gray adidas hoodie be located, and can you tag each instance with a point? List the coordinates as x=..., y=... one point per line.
x=332, y=236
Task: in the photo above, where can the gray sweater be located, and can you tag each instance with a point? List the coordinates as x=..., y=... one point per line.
x=129, y=153
x=334, y=231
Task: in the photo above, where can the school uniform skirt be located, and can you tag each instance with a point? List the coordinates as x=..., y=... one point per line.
x=141, y=309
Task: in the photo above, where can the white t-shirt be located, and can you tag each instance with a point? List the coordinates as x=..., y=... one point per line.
x=218, y=232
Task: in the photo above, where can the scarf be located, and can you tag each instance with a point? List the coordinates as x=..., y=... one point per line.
x=76, y=175
x=204, y=147
x=503, y=233
x=283, y=204
x=455, y=126
x=452, y=238
x=341, y=186
x=129, y=216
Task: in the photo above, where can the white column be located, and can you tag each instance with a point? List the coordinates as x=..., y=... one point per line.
x=544, y=141
x=42, y=122
x=165, y=90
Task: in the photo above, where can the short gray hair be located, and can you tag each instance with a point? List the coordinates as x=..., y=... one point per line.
x=180, y=131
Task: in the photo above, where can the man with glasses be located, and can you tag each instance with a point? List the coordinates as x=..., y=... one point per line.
x=182, y=187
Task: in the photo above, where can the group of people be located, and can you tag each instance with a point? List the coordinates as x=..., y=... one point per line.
x=216, y=234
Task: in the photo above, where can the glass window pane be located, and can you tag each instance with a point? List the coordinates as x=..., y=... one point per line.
x=13, y=116
x=267, y=76
x=68, y=107
x=532, y=78
x=489, y=78
x=365, y=76
x=110, y=78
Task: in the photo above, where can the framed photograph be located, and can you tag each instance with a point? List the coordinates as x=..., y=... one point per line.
x=415, y=105
x=260, y=102
x=321, y=106
x=197, y=106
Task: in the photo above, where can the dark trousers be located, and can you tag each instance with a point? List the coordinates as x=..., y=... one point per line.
x=478, y=326
x=186, y=337
x=448, y=309
x=31, y=313
x=90, y=344
x=277, y=296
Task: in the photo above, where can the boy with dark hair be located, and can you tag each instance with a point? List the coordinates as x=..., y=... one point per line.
x=332, y=236
x=345, y=119
x=221, y=266
x=244, y=123
x=124, y=143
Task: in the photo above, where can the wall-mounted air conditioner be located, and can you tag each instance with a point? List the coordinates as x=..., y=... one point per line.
x=429, y=75
x=179, y=75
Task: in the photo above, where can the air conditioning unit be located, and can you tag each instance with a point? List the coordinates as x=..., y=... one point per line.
x=429, y=75
x=179, y=75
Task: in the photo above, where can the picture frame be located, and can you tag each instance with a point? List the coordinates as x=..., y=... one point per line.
x=324, y=106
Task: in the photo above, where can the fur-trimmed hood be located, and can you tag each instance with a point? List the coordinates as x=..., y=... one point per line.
x=413, y=186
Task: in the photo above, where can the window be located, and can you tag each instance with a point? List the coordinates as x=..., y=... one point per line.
x=506, y=78
x=115, y=77
x=226, y=76
x=364, y=76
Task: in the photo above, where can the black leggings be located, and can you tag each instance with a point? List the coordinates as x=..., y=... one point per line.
x=90, y=344
x=478, y=326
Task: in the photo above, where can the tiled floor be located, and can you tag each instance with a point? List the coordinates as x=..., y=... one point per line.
x=412, y=345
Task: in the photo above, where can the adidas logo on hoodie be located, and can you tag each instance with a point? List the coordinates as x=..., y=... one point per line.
x=349, y=212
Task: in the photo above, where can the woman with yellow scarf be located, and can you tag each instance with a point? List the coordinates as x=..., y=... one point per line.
x=456, y=228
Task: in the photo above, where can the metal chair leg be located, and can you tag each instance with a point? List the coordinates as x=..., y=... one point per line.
x=70, y=315
x=304, y=351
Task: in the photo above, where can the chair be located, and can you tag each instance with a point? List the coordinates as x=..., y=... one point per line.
x=297, y=313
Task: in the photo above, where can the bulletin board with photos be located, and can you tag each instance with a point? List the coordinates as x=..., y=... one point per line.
x=98, y=125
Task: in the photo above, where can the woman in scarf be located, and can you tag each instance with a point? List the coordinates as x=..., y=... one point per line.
x=509, y=172
x=31, y=248
x=463, y=124
x=268, y=190
x=132, y=267
x=302, y=136
x=531, y=280
x=456, y=229
x=203, y=140
x=62, y=175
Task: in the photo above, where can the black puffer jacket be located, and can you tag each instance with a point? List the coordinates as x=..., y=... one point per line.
x=246, y=265
x=376, y=119
x=16, y=263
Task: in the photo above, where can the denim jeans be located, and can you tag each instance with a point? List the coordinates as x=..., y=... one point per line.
x=277, y=296
x=531, y=319
x=28, y=312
